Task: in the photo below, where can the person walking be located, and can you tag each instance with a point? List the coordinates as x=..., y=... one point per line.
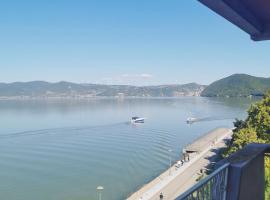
x=161, y=196
x=182, y=162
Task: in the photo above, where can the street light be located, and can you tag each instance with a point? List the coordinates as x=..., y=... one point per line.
x=170, y=151
x=99, y=191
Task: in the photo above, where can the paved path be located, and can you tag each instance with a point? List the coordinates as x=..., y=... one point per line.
x=175, y=181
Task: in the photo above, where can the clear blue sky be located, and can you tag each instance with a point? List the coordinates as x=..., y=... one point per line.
x=123, y=42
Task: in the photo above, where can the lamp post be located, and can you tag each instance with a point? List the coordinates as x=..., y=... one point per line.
x=170, y=158
x=99, y=191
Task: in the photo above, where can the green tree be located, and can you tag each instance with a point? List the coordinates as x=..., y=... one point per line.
x=256, y=128
x=259, y=118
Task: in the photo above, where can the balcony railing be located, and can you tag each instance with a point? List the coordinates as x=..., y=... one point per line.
x=212, y=187
x=239, y=177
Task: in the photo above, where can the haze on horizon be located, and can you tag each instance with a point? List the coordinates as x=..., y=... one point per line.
x=123, y=42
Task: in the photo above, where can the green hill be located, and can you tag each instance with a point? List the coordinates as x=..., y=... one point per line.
x=237, y=85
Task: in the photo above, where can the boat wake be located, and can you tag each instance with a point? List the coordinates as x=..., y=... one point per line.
x=58, y=130
x=208, y=119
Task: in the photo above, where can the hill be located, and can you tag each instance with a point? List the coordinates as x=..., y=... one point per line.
x=238, y=85
x=42, y=89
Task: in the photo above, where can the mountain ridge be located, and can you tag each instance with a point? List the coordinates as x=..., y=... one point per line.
x=66, y=89
x=237, y=85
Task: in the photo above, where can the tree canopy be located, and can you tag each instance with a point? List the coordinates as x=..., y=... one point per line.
x=255, y=128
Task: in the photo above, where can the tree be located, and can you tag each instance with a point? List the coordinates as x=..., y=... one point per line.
x=259, y=117
x=256, y=128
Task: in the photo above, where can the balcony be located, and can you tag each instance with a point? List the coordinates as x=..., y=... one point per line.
x=238, y=177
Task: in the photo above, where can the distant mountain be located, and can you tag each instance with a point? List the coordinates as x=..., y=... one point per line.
x=238, y=85
x=42, y=89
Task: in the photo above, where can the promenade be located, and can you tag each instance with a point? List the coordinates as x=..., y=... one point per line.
x=177, y=180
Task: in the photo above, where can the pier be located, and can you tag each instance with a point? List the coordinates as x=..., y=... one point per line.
x=179, y=178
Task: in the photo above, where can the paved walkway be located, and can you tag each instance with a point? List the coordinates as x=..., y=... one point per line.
x=175, y=181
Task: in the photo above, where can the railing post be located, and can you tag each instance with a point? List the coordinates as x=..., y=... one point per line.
x=246, y=180
x=225, y=184
x=246, y=173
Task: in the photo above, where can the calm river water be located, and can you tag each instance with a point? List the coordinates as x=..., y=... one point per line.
x=64, y=149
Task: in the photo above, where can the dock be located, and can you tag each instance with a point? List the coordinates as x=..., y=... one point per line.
x=177, y=180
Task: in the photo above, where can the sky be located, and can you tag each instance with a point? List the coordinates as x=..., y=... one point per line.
x=135, y=42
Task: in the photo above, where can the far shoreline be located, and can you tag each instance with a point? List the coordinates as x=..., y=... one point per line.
x=25, y=98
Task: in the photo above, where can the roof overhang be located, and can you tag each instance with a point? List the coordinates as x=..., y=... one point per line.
x=252, y=16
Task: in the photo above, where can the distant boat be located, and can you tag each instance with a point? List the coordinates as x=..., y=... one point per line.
x=137, y=120
x=191, y=120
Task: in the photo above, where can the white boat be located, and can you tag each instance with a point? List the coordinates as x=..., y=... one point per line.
x=190, y=120
x=137, y=120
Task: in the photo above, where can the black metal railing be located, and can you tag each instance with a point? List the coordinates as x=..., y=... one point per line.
x=213, y=187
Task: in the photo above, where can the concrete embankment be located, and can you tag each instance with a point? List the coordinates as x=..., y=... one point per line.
x=179, y=178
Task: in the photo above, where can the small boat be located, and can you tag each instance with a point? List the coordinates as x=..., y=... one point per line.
x=191, y=120
x=137, y=120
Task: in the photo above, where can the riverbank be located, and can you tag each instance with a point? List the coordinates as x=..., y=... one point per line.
x=179, y=178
